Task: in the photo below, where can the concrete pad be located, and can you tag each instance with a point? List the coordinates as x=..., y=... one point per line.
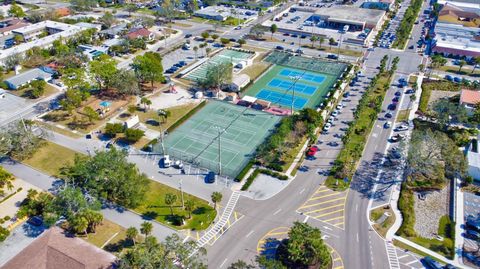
x=265, y=187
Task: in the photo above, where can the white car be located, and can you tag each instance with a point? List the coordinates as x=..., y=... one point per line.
x=335, y=113
x=327, y=126
x=339, y=106
x=401, y=128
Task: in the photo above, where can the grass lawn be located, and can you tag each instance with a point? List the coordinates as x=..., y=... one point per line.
x=403, y=115
x=49, y=90
x=412, y=249
x=51, y=157
x=428, y=87
x=411, y=80
x=78, y=121
x=292, y=154
x=105, y=232
x=176, y=113
x=255, y=70
x=59, y=130
x=383, y=227
x=466, y=70
x=154, y=207
x=334, y=50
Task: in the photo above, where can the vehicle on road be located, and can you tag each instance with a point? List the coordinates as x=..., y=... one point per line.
x=211, y=177
x=392, y=107
x=332, y=56
x=279, y=48
x=388, y=115
x=401, y=128
x=387, y=124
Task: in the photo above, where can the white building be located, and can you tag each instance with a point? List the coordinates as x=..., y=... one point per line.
x=456, y=40
x=473, y=157
x=32, y=34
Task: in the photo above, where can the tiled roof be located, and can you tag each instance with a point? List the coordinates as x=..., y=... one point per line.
x=54, y=250
x=469, y=97
x=141, y=32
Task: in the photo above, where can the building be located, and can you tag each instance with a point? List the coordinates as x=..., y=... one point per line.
x=221, y=13
x=469, y=99
x=473, y=158
x=41, y=34
x=356, y=18
x=62, y=11
x=93, y=52
x=461, y=3
x=7, y=26
x=457, y=31
x=23, y=79
x=56, y=250
x=115, y=31
x=239, y=81
x=86, y=25
x=141, y=33
x=380, y=5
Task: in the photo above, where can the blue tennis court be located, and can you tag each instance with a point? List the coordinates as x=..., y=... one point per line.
x=287, y=85
x=282, y=98
x=307, y=76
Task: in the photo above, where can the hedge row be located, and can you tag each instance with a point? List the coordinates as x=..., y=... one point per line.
x=273, y=174
x=244, y=171
x=406, y=206
x=186, y=116
x=250, y=180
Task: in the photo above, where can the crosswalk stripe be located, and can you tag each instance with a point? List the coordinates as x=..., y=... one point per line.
x=329, y=201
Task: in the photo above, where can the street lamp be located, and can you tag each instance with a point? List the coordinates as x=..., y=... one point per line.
x=220, y=131
x=295, y=79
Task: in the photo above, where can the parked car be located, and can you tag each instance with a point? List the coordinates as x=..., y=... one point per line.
x=409, y=91
x=332, y=56
x=397, y=138
x=392, y=107
x=457, y=79
x=431, y=263
x=449, y=77
x=35, y=221
x=395, y=99
x=388, y=115
x=312, y=150
x=279, y=48
x=401, y=128
x=387, y=124
x=398, y=93
x=473, y=224
x=211, y=177
x=473, y=234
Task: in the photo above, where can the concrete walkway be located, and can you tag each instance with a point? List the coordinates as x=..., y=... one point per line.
x=124, y=218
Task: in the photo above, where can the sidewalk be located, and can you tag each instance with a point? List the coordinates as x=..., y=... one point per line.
x=124, y=218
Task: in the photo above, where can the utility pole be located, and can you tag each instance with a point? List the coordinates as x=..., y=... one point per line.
x=220, y=131
x=295, y=79
x=181, y=193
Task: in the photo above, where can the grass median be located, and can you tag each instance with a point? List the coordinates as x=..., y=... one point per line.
x=50, y=158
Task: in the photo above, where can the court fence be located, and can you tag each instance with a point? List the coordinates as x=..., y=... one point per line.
x=309, y=64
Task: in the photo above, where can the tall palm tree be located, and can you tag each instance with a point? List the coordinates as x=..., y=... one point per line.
x=132, y=234
x=461, y=63
x=476, y=61
x=216, y=198
x=170, y=199
x=195, y=49
x=189, y=207
x=146, y=228
x=321, y=40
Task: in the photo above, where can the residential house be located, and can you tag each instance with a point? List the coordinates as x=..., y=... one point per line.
x=115, y=31
x=141, y=33
x=93, y=52
x=86, y=25
x=56, y=250
x=62, y=11
x=23, y=79
x=469, y=99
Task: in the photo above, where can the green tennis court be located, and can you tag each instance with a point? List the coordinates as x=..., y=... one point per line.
x=241, y=131
x=226, y=55
x=281, y=85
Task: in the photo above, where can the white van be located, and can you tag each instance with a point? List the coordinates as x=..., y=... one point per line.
x=166, y=161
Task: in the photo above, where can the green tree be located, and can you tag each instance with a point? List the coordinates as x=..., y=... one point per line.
x=239, y=264
x=148, y=67
x=241, y=42
x=146, y=228
x=70, y=201
x=170, y=199
x=112, y=129
x=145, y=102
x=79, y=224
x=476, y=62
x=321, y=40
x=90, y=113
x=446, y=112
x=131, y=8
x=4, y=233
x=108, y=175
x=133, y=135
x=189, y=207
x=132, y=234
x=132, y=109
x=421, y=67
x=313, y=39
x=73, y=98
x=18, y=139
x=305, y=247
x=6, y=179
x=83, y=5
x=103, y=70
x=108, y=19
x=205, y=35
x=214, y=37
x=126, y=82
x=257, y=31
x=461, y=64
x=37, y=88
x=195, y=49
x=224, y=41
x=216, y=198
x=331, y=42
x=273, y=29
x=217, y=75
x=208, y=50
x=16, y=11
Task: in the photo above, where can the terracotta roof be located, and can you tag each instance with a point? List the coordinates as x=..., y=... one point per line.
x=469, y=97
x=141, y=32
x=63, y=11
x=54, y=250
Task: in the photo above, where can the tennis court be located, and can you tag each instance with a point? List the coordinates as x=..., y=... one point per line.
x=241, y=131
x=280, y=85
x=226, y=55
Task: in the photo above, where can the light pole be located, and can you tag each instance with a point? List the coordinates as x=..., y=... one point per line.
x=295, y=79
x=181, y=193
x=220, y=131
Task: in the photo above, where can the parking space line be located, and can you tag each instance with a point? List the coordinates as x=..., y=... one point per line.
x=323, y=208
x=338, y=224
x=334, y=219
x=328, y=195
x=329, y=213
x=305, y=206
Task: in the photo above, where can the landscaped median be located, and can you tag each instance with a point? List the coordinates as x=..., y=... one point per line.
x=406, y=25
x=358, y=132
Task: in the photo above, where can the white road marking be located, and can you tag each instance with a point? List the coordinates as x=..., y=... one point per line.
x=250, y=233
x=223, y=263
x=302, y=190
x=278, y=211
x=358, y=240
x=328, y=228
x=325, y=236
x=306, y=219
x=374, y=135
x=401, y=257
x=356, y=208
x=408, y=263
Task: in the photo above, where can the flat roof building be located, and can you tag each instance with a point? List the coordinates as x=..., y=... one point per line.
x=456, y=40
x=23, y=79
x=353, y=16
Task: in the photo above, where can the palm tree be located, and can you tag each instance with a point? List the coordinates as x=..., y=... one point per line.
x=195, y=49
x=132, y=234
x=321, y=40
x=208, y=50
x=5, y=179
x=145, y=102
x=202, y=45
x=476, y=61
x=461, y=63
x=146, y=228
x=421, y=67
x=189, y=207
x=313, y=38
x=80, y=224
x=413, y=97
x=216, y=198
x=170, y=199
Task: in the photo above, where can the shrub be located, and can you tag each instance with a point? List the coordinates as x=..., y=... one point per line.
x=406, y=206
x=273, y=174
x=133, y=135
x=244, y=171
x=186, y=116
x=4, y=233
x=250, y=180
x=6, y=218
x=112, y=129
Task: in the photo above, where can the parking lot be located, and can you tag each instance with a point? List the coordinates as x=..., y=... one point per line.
x=388, y=36
x=10, y=105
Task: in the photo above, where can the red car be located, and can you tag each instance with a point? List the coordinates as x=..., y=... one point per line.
x=311, y=151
